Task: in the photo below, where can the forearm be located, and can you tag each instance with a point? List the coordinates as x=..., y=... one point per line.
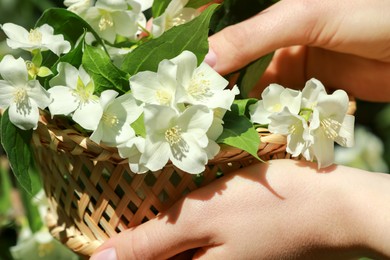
x=370, y=195
x=344, y=213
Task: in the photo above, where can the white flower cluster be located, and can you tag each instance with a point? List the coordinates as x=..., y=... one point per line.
x=172, y=114
x=182, y=105
x=312, y=120
x=111, y=18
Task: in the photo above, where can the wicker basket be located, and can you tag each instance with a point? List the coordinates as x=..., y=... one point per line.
x=93, y=194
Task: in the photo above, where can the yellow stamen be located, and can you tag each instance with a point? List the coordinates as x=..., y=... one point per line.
x=163, y=97
x=20, y=95
x=199, y=87
x=35, y=36
x=173, y=135
x=109, y=119
x=105, y=21
x=331, y=127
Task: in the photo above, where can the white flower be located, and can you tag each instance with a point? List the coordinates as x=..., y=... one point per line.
x=274, y=99
x=117, y=55
x=132, y=150
x=114, y=126
x=20, y=95
x=72, y=91
x=330, y=123
x=110, y=18
x=78, y=6
x=41, y=38
x=156, y=88
x=41, y=245
x=180, y=138
x=145, y=4
x=311, y=131
x=175, y=14
x=310, y=93
x=294, y=127
x=363, y=156
x=216, y=127
x=201, y=85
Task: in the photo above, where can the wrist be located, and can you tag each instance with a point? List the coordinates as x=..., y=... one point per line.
x=367, y=210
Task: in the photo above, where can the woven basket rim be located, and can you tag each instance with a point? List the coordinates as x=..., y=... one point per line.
x=61, y=142
x=60, y=135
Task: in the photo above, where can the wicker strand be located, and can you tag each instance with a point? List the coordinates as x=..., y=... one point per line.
x=93, y=195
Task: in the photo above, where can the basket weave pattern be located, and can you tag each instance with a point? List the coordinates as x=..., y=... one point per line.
x=93, y=195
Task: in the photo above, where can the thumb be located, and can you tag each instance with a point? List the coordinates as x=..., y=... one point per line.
x=284, y=24
x=163, y=237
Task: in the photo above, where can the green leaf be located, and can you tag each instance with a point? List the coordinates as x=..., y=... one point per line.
x=242, y=106
x=104, y=73
x=66, y=23
x=197, y=3
x=159, y=6
x=5, y=190
x=139, y=126
x=191, y=36
x=252, y=73
x=239, y=132
x=74, y=57
x=16, y=143
x=31, y=210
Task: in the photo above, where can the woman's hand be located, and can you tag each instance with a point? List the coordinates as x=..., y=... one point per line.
x=277, y=210
x=345, y=44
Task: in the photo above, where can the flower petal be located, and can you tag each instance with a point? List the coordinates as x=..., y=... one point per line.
x=156, y=155
x=6, y=94
x=38, y=94
x=196, y=121
x=25, y=116
x=14, y=71
x=83, y=117
x=259, y=114
x=346, y=133
x=188, y=156
x=186, y=64
x=67, y=76
x=334, y=105
x=311, y=91
x=323, y=148
x=271, y=97
x=63, y=102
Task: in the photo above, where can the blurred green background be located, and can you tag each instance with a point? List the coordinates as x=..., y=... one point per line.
x=20, y=223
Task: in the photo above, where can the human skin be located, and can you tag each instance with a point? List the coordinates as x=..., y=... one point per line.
x=286, y=209
x=345, y=44
x=283, y=209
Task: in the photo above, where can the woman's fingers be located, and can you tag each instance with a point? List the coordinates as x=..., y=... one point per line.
x=327, y=24
x=160, y=238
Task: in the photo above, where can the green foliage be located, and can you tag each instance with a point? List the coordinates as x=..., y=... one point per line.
x=191, y=36
x=5, y=191
x=139, y=126
x=197, y=3
x=104, y=73
x=16, y=143
x=251, y=74
x=31, y=211
x=68, y=24
x=232, y=12
x=239, y=132
x=159, y=7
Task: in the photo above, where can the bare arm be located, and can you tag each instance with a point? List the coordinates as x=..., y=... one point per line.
x=284, y=209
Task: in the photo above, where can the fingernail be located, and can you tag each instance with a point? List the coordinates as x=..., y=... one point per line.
x=106, y=254
x=211, y=58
